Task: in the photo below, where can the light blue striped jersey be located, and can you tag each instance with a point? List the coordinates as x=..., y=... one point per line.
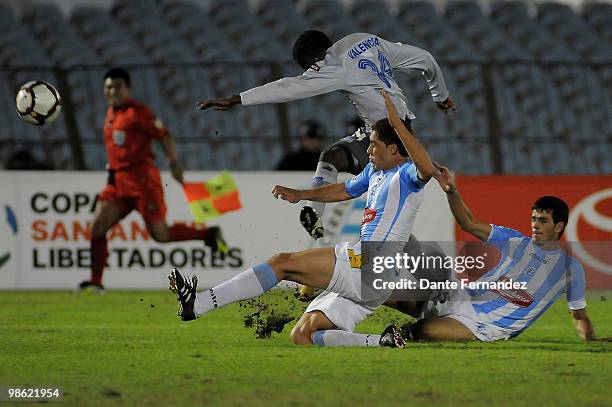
x=547, y=274
x=394, y=197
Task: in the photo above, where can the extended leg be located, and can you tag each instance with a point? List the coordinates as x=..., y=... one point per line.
x=178, y=232
x=313, y=267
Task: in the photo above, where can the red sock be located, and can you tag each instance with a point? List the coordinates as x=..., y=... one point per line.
x=99, y=252
x=179, y=232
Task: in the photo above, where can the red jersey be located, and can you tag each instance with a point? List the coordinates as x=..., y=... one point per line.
x=128, y=132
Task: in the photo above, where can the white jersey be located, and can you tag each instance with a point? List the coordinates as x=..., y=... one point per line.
x=359, y=65
x=394, y=197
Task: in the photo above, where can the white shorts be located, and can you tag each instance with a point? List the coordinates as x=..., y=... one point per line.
x=346, y=279
x=342, y=302
x=342, y=312
x=459, y=307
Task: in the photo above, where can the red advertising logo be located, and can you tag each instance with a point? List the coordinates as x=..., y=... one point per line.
x=368, y=215
x=518, y=297
x=590, y=252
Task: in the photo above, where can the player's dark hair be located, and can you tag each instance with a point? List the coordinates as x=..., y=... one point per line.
x=118, y=73
x=557, y=207
x=386, y=133
x=310, y=47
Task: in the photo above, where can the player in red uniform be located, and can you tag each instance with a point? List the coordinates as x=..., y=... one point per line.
x=133, y=180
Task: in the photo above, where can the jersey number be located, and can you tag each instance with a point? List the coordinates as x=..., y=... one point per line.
x=383, y=72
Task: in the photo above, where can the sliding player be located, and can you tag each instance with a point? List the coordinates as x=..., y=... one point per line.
x=537, y=261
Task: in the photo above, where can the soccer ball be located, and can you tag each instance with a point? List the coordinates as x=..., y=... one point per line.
x=38, y=103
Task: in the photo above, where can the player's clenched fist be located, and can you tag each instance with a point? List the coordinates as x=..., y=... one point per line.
x=287, y=194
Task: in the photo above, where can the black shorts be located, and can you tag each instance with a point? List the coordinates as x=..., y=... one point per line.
x=356, y=146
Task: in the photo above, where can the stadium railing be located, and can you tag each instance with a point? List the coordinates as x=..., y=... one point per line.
x=255, y=138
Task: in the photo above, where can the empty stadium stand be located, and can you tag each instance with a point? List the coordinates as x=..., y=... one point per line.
x=533, y=82
x=23, y=60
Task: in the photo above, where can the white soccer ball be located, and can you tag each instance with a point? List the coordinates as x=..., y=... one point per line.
x=38, y=103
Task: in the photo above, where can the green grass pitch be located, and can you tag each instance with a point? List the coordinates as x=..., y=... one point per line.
x=116, y=349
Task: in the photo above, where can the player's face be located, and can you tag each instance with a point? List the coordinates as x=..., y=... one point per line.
x=543, y=229
x=379, y=153
x=115, y=91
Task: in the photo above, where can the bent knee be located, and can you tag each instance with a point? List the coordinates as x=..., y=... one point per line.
x=309, y=323
x=301, y=335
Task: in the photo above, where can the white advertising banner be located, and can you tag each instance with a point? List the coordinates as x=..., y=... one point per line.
x=44, y=227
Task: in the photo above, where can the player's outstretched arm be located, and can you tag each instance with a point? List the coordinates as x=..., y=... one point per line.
x=219, y=103
x=463, y=215
x=583, y=325
x=327, y=78
x=417, y=152
x=327, y=193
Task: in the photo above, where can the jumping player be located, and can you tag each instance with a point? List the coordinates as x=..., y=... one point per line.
x=395, y=191
x=133, y=180
x=538, y=261
x=359, y=65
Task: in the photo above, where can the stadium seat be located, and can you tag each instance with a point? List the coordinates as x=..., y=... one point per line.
x=560, y=20
x=183, y=86
x=179, y=51
x=198, y=30
x=328, y=16
x=282, y=19
x=114, y=46
x=578, y=86
x=540, y=112
x=598, y=15
x=29, y=60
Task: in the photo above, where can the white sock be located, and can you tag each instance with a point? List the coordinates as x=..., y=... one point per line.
x=325, y=173
x=248, y=284
x=334, y=337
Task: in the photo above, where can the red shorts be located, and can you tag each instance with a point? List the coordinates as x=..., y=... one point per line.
x=141, y=190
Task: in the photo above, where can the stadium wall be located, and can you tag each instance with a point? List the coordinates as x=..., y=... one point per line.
x=46, y=238
x=44, y=226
